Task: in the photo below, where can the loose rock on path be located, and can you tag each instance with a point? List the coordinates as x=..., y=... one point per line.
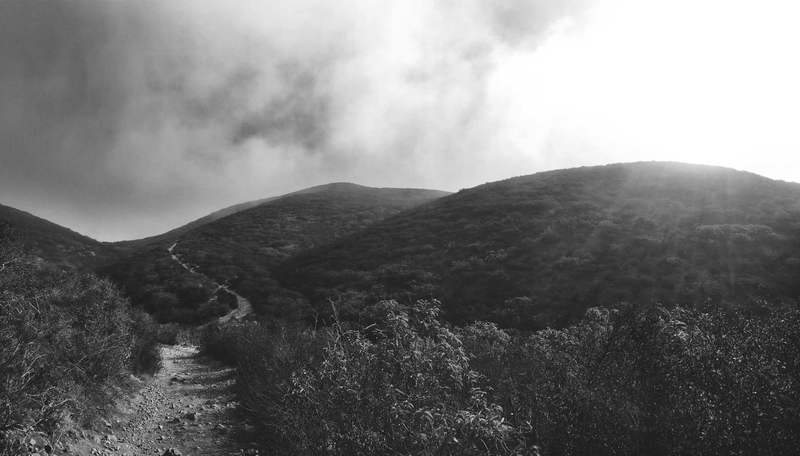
x=188, y=408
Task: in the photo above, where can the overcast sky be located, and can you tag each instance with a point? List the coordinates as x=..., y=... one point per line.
x=127, y=118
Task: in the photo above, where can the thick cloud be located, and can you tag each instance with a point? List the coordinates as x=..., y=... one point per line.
x=124, y=119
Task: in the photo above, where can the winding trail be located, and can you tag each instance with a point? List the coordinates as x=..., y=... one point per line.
x=188, y=406
x=243, y=306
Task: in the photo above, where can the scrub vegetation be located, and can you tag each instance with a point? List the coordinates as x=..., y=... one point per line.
x=646, y=308
x=242, y=248
x=537, y=251
x=623, y=381
x=67, y=341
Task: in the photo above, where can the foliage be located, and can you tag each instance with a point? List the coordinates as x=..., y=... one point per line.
x=64, y=337
x=624, y=381
x=145, y=355
x=650, y=381
x=401, y=386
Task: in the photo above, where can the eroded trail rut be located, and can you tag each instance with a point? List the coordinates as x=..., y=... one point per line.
x=188, y=406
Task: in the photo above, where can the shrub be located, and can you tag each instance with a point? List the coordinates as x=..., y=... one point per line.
x=145, y=354
x=64, y=337
x=627, y=381
x=402, y=385
x=650, y=381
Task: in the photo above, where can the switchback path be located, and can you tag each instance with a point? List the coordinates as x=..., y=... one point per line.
x=243, y=306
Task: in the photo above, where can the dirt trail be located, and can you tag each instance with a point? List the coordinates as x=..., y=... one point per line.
x=188, y=406
x=243, y=306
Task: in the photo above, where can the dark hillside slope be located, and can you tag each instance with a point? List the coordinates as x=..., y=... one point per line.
x=54, y=243
x=176, y=232
x=537, y=250
x=241, y=249
x=230, y=210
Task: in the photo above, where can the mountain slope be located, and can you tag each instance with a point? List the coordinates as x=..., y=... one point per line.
x=230, y=210
x=52, y=242
x=240, y=249
x=176, y=232
x=537, y=250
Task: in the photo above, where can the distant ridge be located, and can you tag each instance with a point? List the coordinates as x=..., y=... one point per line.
x=528, y=251
x=230, y=210
x=50, y=241
x=537, y=250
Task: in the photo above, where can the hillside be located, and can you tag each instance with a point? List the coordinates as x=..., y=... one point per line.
x=49, y=241
x=538, y=250
x=221, y=213
x=241, y=249
x=176, y=232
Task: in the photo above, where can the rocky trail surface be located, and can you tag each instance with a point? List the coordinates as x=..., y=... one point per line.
x=187, y=409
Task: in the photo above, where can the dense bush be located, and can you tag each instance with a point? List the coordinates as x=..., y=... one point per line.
x=400, y=386
x=145, y=355
x=650, y=381
x=626, y=381
x=64, y=337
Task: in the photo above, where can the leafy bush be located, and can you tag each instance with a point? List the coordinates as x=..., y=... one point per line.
x=650, y=381
x=627, y=381
x=64, y=337
x=145, y=354
x=400, y=386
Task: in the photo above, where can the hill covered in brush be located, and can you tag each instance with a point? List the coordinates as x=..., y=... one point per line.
x=53, y=243
x=241, y=248
x=214, y=216
x=538, y=250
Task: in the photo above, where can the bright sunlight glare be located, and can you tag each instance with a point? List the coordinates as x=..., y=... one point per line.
x=709, y=81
